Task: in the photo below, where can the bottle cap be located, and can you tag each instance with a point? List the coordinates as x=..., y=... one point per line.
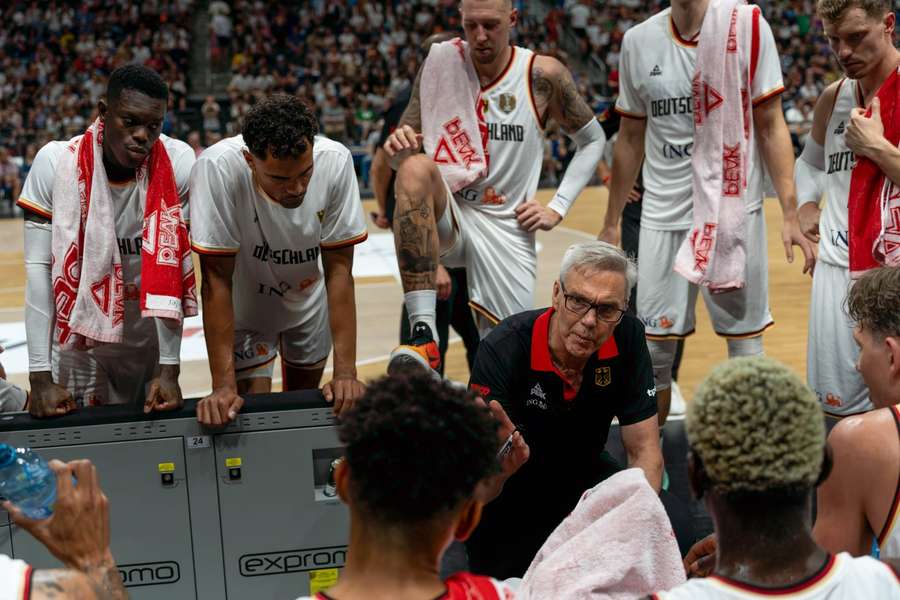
x=7, y=455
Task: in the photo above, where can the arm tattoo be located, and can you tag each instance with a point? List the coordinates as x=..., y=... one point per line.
x=50, y=584
x=542, y=88
x=412, y=116
x=557, y=90
x=414, y=228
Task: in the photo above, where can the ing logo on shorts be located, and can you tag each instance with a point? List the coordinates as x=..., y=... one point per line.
x=662, y=322
x=261, y=350
x=832, y=400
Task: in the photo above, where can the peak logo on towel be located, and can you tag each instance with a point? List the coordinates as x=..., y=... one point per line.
x=702, y=246
x=455, y=147
x=706, y=99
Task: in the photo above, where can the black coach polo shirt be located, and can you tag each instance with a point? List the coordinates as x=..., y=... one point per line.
x=565, y=430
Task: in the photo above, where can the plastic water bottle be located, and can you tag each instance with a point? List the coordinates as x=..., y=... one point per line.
x=27, y=481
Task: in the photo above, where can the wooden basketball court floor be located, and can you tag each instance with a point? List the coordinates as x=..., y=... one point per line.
x=379, y=300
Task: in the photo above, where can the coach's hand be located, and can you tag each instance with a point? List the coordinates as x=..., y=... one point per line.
x=511, y=459
x=808, y=216
x=48, y=399
x=343, y=391
x=401, y=144
x=164, y=392
x=532, y=216
x=219, y=408
x=792, y=235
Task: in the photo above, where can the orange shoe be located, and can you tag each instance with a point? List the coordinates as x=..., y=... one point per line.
x=421, y=353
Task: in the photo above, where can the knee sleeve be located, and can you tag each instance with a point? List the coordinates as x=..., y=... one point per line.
x=662, y=355
x=745, y=347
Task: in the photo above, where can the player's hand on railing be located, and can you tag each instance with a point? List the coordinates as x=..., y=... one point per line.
x=164, y=392
x=219, y=408
x=343, y=391
x=401, y=144
x=533, y=216
x=47, y=399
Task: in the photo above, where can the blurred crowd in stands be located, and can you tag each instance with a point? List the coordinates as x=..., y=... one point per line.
x=352, y=59
x=54, y=60
x=806, y=59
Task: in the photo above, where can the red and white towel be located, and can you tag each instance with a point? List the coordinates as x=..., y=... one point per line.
x=453, y=126
x=714, y=252
x=87, y=268
x=873, y=208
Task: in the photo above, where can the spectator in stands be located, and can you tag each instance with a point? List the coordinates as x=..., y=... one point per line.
x=56, y=56
x=210, y=111
x=409, y=497
x=10, y=182
x=334, y=120
x=194, y=142
x=757, y=442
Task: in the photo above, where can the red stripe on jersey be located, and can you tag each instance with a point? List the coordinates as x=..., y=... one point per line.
x=754, y=45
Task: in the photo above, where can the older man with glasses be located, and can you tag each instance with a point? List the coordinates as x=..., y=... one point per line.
x=562, y=374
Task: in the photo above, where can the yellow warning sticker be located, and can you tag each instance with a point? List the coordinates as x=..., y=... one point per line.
x=166, y=467
x=233, y=462
x=321, y=579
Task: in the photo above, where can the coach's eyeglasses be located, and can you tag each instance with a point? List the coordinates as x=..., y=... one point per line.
x=609, y=313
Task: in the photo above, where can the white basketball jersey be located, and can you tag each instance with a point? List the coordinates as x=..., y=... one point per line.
x=889, y=539
x=842, y=578
x=277, y=273
x=656, y=67
x=515, y=143
x=839, y=162
x=128, y=201
x=15, y=579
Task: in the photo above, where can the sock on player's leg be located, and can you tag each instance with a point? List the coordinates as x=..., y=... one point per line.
x=420, y=305
x=745, y=347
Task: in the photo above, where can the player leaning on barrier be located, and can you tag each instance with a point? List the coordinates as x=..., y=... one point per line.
x=268, y=203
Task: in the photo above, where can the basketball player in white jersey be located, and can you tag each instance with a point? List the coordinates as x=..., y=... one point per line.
x=489, y=226
x=759, y=500
x=655, y=73
x=861, y=36
x=145, y=367
x=268, y=204
x=860, y=501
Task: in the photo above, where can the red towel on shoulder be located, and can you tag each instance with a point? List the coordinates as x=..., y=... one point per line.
x=873, y=204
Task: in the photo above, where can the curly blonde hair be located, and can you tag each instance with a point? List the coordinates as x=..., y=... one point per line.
x=756, y=428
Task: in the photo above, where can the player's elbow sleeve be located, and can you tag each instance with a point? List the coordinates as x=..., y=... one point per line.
x=809, y=173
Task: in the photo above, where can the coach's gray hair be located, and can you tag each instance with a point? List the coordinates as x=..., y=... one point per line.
x=599, y=256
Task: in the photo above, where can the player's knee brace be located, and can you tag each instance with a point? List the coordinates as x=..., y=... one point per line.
x=745, y=347
x=662, y=355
